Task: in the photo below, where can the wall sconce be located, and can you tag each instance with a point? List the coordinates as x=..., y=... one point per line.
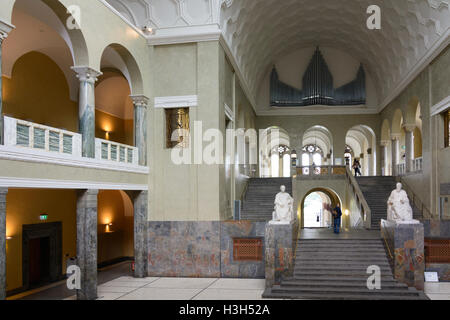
x=108, y=228
x=107, y=135
x=9, y=238
x=147, y=30
x=346, y=212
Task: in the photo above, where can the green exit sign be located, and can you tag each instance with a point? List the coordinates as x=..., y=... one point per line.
x=43, y=217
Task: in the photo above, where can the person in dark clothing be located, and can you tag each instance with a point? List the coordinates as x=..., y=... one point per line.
x=337, y=214
x=357, y=166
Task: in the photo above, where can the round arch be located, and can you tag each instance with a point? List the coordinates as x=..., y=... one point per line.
x=330, y=193
x=412, y=108
x=397, y=121
x=117, y=56
x=271, y=138
x=41, y=26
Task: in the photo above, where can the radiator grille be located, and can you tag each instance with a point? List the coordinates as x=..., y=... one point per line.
x=247, y=249
x=437, y=251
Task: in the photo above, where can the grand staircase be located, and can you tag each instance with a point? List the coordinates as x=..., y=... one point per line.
x=376, y=191
x=337, y=269
x=259, y=199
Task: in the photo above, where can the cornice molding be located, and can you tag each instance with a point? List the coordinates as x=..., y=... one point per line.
x=185, y=34
x=13, y=182
x=176, y=102
x=441, y=106
x=37, y=156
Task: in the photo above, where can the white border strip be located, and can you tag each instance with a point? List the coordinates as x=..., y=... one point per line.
x=13, y=182
x=176, y=102
x=185, y=34
x=441, y=106
x=33, y=155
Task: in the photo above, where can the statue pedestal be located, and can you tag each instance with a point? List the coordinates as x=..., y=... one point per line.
x=405, y=241
x=280, y=242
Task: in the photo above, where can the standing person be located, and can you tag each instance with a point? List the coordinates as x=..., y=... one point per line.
x=357, y=167
x=337, y=214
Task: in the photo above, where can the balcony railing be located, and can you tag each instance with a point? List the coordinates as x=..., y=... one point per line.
x=320, y=171
x=20, y=133
x=113, y=151
x=417, y=164
x=401, y=169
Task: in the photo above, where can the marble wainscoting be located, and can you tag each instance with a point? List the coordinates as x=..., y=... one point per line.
x=407, y=243
x=201, y=249
x=437, y=229
x=280, y=251
x=230, y=230
x=443, y=270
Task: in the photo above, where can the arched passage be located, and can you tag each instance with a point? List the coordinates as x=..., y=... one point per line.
x=274, y=144
x=319, y=138
x=316, y=206
x=362, y=140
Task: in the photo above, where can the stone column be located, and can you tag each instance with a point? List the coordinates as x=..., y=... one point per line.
x=3, y=192
x=384, y=156
x=141, y=235
x=86, y=108
x=140, y=127
x=4, y=30
x=87, y=243
x=409, y=141
x=395, y=150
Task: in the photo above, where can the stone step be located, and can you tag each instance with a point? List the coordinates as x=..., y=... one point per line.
x=400, y=292
x=340, y=296
x=340, y=284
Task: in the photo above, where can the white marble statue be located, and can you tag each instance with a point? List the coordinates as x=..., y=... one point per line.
x=399, y=209
x=283, y=207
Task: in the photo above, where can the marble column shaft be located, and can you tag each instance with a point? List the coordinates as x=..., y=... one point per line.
x=384, y=152
x=3, y=192
x=140, y=127
x=409, y=152
x=141, y=235
x=87, y=243
x=86, y=108
x=395, y=145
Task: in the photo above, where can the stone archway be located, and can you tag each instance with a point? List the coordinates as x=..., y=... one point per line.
x=326, y=194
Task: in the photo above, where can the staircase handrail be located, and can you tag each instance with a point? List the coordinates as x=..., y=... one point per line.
x=360, y=199
x=426, y=213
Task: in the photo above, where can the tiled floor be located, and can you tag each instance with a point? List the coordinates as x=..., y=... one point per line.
x=128, y=288
x=438, y=291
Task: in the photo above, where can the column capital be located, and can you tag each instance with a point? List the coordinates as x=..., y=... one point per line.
x=86, y=74
x=395, y=136
x=384, y=143
x=5, y=29
x=140, y=100
x=410, y=127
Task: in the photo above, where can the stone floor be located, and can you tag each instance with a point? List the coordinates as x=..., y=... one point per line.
x=128, y=288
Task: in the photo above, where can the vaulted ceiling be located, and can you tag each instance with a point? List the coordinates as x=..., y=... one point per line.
x=260, y=31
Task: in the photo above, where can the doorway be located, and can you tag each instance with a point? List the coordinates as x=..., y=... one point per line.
x=41, y=254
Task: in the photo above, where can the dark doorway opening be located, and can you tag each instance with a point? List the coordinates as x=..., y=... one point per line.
x=39, y=271
x=41, y=254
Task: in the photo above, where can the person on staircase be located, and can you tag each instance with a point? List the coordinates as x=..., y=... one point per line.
x=357, y=167
x=337, y=214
